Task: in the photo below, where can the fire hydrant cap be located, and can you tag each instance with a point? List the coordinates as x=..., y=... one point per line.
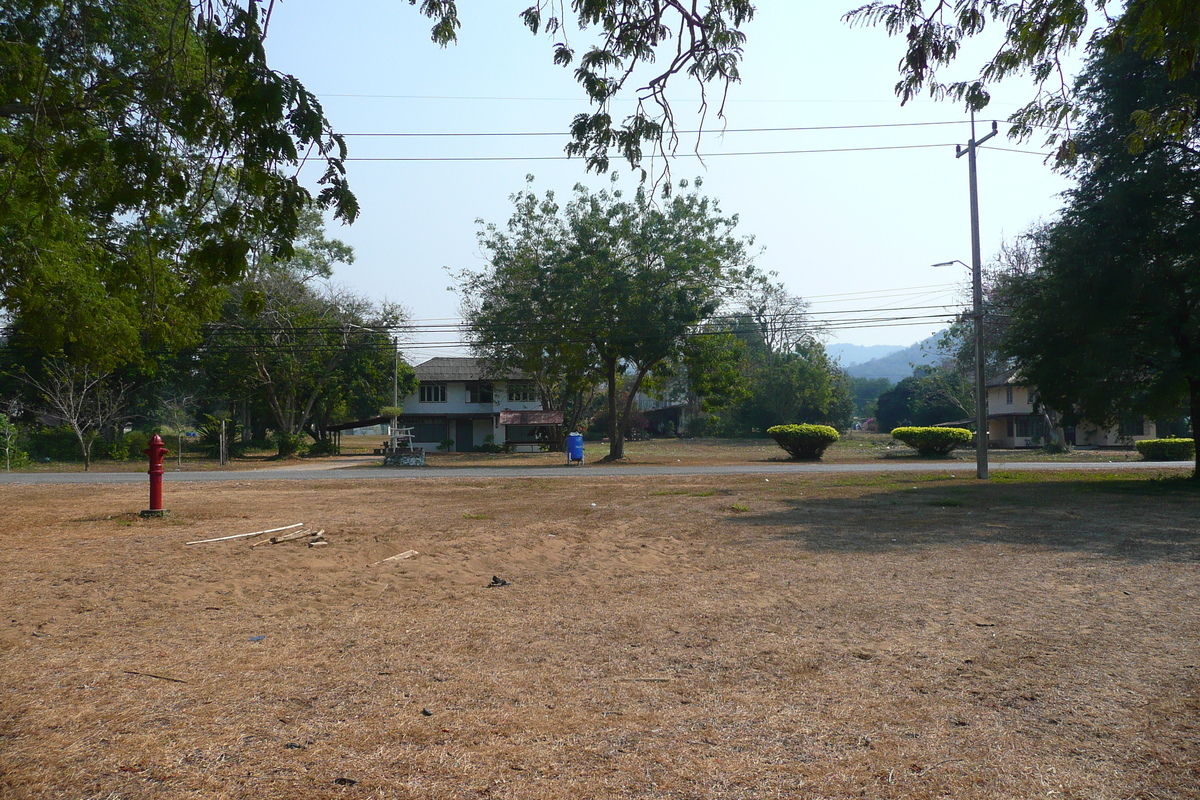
x=156, y=448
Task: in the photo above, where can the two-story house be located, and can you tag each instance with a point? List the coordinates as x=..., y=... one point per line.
x=1017, y=419
x=457, y=401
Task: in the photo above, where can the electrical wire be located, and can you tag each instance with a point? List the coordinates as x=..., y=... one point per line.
x=814, y=151
x=714, y=131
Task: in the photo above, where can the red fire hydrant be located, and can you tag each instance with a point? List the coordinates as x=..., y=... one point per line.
x=157, y=453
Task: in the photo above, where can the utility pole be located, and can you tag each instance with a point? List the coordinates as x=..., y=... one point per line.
x=981, y=409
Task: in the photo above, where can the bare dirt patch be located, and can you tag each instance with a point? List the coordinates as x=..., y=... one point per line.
x=825, y=636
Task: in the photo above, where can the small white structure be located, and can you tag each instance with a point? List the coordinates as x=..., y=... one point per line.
x=1017, y=419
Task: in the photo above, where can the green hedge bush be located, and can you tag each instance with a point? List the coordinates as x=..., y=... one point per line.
x=322, y=447
x=933, y=441
x=803, y=442
x=1167, y=449
x=58, y=444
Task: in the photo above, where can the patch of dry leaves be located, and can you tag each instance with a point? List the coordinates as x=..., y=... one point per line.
x=886, y=637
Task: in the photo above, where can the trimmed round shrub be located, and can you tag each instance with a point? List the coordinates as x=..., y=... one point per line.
x=933, y=441
x=1167, y=449
x=288, y=444
x=322, y=447
x=803, y=442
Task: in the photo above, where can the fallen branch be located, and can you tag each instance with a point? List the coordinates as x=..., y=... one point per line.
x=397, y=557
x=152, y=675
x=245, y=535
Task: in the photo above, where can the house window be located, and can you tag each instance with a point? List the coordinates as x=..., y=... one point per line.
x=522, y=393
x=1133, y=426
x=480, y=393
x=1030, y=427
x=1008, y=394
x=433, y=393
x=1009, y=420
x=429, y=430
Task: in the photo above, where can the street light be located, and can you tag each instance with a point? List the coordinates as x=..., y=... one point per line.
x=981, y=410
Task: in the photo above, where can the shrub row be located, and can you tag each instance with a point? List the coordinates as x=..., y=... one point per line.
x=1167, y=449
x=803, y=442
x=933, y=441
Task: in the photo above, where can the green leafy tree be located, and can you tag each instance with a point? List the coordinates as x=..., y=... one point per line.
x=802, y=387
x=146, y=148
x=518, y=309
x=141, y=147
x=865, y=393
x=650, y=277
x=307, y=354
x=789, y=378
x=924, y=400
x=610, y=283
x=298, y=350
x=1110, y=321
x=1037, y=38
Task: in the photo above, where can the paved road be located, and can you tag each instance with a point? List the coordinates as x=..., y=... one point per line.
x=358, y=470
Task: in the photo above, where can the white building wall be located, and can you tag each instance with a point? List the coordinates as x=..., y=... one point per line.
x=1086, y=435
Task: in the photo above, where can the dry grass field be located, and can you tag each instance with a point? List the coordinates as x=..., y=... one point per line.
x=829, y=636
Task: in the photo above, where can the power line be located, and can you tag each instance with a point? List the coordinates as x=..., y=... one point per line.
x=683, y=155
x=814, y=151
x=715, y=131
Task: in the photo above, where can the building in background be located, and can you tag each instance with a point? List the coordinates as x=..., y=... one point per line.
x=1017, y=419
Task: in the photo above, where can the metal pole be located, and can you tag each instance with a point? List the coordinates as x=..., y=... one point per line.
x=395, y=395
x=981, y=409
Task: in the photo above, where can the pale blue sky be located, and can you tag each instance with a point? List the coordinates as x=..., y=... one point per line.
x=864, y=226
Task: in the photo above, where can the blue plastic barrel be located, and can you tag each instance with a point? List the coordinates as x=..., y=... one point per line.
x=575, y=447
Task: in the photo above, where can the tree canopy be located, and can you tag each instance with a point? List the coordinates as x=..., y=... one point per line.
x=610, y=284
x=788, y=376
x=922, y=400
x=147, y=147
x=300, y=351
x=1110, y=321
x=143, y=149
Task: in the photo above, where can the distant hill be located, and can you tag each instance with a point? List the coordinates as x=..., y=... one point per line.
x=898, y=365
x=851, y=354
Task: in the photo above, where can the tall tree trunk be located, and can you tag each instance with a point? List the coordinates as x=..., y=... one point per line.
x=616, y=432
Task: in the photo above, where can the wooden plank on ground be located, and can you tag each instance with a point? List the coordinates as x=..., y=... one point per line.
x=397, y=557
x=245, y=535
